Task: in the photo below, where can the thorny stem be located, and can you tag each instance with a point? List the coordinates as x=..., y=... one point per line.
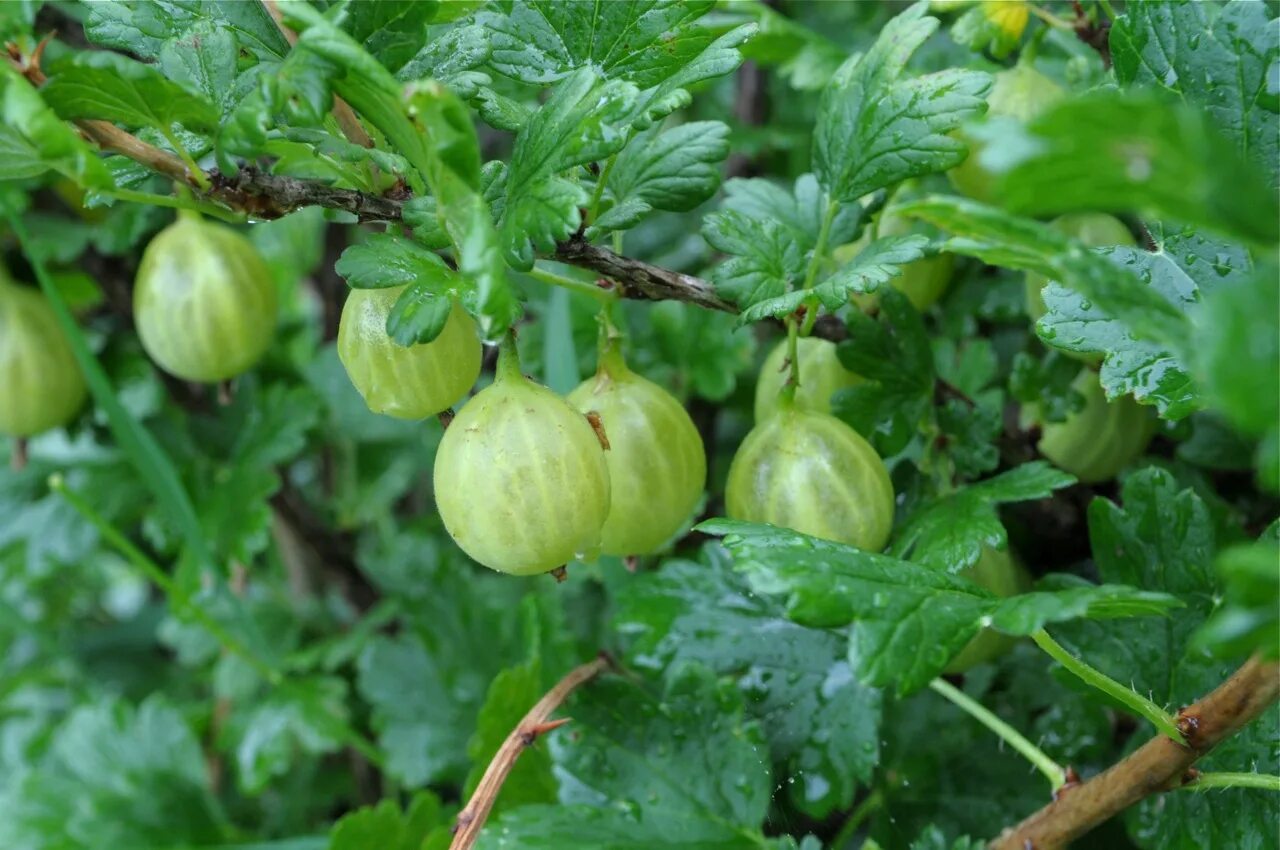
x=1157, y=766
x=1051, y=769
x=1095, y=678
x=1206, y=781
x=535, y=723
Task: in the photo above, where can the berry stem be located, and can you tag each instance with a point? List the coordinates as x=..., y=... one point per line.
x=1261, y=781
x=580, y=286
x=1051, y=769
x=508, y=368
x=1134, y=701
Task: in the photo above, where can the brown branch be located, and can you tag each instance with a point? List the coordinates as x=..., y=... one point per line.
x=638, y=279
x=1159, y=765
x=535, y=723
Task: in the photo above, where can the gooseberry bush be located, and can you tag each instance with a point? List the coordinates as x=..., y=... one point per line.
x=639, y=424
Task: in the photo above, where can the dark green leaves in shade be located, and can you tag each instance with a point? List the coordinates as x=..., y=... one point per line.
x=950, y=533
x=877, y=128
x=1249, y=619
x=906, y=620
x=625, y=764
x=386, y=827
x=821, y=724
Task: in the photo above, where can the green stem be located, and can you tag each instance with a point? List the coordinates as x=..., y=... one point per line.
x=1050, y=18
x=508, y=368
x=793, y=358
x=579, y=286
x=1260, y=781
x=197, y=174
x=1106, y=7
x=174, y=202
x=1051, y=769
x=869, y=806
x=816, y=260
x=161, y=579
x=594, y=206
x=1095, y=678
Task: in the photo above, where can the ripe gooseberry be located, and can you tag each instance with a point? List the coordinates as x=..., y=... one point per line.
x=204, y=302
x=999, y=572
x=821, y=374
x=41, y=386
x=657, y=465
x=520, y=477
x=1020, y=93
x=812, y=473
x=1100, y=439
x=408, y=382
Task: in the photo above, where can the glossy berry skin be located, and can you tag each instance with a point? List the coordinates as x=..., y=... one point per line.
x=1093, y=229
x=407, y=382
x=1020, y=93
x=999, y=572
x=814, y=474
x=520, y=477
x=821, y=374
x=923, y=281
x=657, y=465
x=204, y=302
x=1100, y=439
x=41, y=387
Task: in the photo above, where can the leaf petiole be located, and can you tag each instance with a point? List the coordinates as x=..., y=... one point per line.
x=605, y=296
x=1260, y=781
x=1095, y=678
x=1051, y=769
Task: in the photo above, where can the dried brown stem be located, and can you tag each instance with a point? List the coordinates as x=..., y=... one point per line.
x=535, y=723
x=1159, y=765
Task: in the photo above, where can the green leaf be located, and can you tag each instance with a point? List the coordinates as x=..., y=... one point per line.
x=141, y=27
x=874, y=266
x=657, y=47
x=673, y=170
x=680, y=771
x=387, y=260
x=951, y=532
x=34, y=140
x=822, y=725
x=893, y=353
x=453, y=60
x=306, y=716
x=765, y=260
x=876, y=128
x=1132, y=152
x=385, y=827
x=104, y=85
x=1215, y=56
x=204, y=60
x=390, y=30
x=907, y=620
x=998, y=238
x=934, y=839
x=579, y=123
x=116, y=776
x=511, y=694
x=1243, y=388
x=1247, y=621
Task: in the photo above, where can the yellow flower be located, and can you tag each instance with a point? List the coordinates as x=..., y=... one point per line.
x=1009, y=17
